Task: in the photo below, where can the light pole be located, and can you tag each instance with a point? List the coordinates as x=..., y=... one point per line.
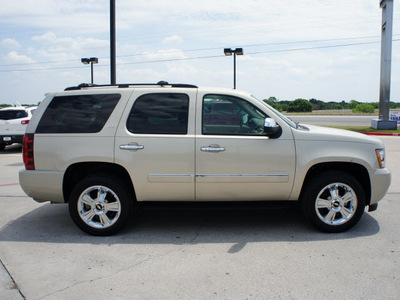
x=91, y=61
x=113, y=59
x=229, y=52
x=386, y=61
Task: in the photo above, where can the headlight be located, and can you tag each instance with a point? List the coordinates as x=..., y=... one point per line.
x=380, y=155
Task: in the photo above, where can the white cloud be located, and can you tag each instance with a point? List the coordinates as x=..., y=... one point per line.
x=56, y=43
x=10, y=43
x=14, y=57
x=174, y=39
x=127, y=49
x=164, y=54
x=54, y=48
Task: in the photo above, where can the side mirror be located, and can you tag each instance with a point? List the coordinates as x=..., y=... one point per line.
x=271, y=128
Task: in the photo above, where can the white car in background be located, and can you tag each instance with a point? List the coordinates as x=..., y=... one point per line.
x=13, y=124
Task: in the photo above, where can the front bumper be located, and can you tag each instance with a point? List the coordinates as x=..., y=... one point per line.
x=380, y=182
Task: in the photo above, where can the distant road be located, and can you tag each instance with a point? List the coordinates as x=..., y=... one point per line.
x=334, y=120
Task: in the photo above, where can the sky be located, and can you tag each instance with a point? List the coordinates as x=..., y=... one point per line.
x=324, y=49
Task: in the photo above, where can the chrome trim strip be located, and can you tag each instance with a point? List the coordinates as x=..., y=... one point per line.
x=242, y=175
x=172, y=175
x=242, y=178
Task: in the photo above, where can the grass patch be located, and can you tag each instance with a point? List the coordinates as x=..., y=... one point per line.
x=362, y=129
x=331, y=112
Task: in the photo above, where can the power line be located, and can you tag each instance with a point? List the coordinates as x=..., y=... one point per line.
x=201, y=49
x=201, y=57
x=318, y=47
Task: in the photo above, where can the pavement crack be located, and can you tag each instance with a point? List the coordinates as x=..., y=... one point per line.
x=108, y=276
x=15, y=285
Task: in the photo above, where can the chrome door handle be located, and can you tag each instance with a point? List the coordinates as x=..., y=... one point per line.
x=132, y=147
x=212, y=149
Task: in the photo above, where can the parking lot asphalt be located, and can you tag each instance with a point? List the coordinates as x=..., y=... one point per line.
x=252, y=254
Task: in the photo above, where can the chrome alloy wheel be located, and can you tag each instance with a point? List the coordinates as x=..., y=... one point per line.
x=99, y=207
x=336, y=204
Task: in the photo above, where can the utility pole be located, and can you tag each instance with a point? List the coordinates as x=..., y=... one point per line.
x=386, y=61
x=113, y=60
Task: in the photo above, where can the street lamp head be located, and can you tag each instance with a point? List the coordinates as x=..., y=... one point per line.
x=94, y=60
x=228, y=51
x=239, y=51
x=85, y=61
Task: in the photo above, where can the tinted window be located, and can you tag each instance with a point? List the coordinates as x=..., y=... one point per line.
x=159, y=114
x=227, y=115
x=77, y=114
x=12, y=114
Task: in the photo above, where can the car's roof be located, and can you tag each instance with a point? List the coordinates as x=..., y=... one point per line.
x=84, y=87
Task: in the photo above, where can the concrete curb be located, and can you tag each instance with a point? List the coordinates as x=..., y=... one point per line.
x=381, y=133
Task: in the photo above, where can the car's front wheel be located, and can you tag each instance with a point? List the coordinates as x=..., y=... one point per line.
x=100, y=205
x=334, y=201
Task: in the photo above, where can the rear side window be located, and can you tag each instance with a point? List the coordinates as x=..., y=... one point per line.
x=78, y=114
x=12, y=114
x=163, y=113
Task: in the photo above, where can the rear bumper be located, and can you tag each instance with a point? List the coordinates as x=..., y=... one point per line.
x=10, y=139
x=42, y=185
x=380, y=182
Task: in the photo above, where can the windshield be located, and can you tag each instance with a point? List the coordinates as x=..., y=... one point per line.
x=284, y=118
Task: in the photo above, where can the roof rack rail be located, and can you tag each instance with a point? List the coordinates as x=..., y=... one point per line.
x=126, y=85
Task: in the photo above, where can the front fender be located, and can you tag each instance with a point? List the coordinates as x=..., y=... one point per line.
x=311, y=153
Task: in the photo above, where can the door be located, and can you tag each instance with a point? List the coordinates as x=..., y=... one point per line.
x=155, y=142
x=235, y=160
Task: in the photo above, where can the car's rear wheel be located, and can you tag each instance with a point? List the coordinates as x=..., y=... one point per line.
x=334, y=201
x=100, y=205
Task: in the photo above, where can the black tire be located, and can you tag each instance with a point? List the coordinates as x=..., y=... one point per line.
x=2, y=147
x=100, y=205
x=333, y=201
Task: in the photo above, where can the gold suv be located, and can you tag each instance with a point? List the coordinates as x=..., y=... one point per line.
x=105, y=150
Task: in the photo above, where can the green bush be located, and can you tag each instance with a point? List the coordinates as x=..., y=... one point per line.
x=353, y=104
x=300, y=105
x=364, y=108
x=375, y=105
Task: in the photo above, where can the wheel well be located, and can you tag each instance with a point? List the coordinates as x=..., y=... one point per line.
x=359, y=172
x=77, y=172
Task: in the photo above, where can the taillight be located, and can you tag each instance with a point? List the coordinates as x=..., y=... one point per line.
x=27, y=151
x=25, y=122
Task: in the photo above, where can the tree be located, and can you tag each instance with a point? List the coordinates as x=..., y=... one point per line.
x=375, y=105
x=300, y=105
x=317, y=104
x=353, y=104
x=364, y=108
x=273, y=99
